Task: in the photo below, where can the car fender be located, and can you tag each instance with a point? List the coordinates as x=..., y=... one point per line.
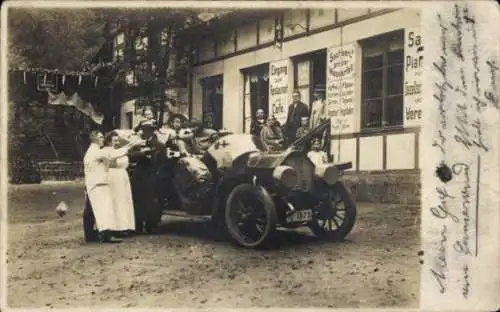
x=224, y=188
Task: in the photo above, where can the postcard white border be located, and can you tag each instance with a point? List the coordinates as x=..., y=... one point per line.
x=172, y=4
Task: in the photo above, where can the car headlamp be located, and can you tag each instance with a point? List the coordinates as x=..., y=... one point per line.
x=286, y=175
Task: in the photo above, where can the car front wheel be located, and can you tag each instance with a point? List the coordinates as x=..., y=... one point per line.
x=250, y=216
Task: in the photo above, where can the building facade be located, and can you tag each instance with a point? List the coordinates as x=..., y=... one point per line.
x=367, y=63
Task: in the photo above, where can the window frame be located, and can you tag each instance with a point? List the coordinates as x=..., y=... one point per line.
x=119, y=48
x=261, y=70
x=212, y=83
x=310, y=58
x=387, y=38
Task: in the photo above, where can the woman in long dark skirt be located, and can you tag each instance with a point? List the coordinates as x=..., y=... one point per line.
x=144, y=176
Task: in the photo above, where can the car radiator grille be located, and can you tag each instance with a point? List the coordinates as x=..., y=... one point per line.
x=305, y=171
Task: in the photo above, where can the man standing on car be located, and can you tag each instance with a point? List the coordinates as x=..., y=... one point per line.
x=96, y=165
x=296, y=111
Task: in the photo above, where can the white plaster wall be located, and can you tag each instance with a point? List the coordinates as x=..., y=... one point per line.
x=370, y=155
x=266, y=30
x=421, y=152
x=344, y=14
x=401, y=151
x=234, y=84
x=399, y=19
x=247, y=36
x=344, y=151
x=357, y=87
x=233, y=80
x=293, y=18
x=321, y=17
x=128, y=107
x=225, y=43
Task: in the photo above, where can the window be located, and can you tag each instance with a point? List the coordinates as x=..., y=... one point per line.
x=383, y=81
x=310, y=74
x=119, y=47
x=256, y=93
x=212, y=102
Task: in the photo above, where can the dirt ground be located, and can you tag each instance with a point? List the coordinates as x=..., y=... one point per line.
x=189, y=266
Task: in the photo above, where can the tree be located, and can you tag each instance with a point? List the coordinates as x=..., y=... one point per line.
x=59, y=39
x=168, y=55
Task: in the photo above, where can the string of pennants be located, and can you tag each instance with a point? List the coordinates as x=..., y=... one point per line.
x=46, y=75
x=49, y=78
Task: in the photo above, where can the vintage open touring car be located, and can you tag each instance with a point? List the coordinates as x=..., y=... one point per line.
x=252, y=192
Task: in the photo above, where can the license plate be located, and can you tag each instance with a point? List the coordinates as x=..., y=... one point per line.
x=300, y=216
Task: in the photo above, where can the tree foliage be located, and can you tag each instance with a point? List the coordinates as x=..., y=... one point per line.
x=62, y=39
x=67, y=39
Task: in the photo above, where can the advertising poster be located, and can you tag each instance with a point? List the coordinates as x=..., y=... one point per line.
x=414, y=55
x=278, y=89
x=340, y=88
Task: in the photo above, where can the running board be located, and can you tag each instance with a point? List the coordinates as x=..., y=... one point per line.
x=186, y=215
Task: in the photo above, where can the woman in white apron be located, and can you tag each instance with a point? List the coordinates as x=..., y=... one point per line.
x=120, y=188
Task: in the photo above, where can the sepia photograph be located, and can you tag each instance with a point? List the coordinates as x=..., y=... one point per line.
x=213, y=157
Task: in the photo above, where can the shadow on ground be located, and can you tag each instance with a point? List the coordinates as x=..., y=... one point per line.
x=209, y=232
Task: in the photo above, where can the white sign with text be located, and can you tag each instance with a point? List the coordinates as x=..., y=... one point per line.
x=278, y=89
x=340, y=83
x=413, y=73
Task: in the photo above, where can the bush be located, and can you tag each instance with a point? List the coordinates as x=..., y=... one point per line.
x=25, y=170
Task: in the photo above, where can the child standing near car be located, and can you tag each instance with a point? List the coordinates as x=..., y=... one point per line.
x=316, y=155
x=304, y=127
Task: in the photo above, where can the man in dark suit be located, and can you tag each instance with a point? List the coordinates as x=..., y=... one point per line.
x=296, y=111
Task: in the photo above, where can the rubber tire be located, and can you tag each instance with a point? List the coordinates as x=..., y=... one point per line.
x=351, y=212
x=260, y=194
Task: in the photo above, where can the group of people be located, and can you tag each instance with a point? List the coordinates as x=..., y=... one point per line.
x=117, y=205
x=298, y=123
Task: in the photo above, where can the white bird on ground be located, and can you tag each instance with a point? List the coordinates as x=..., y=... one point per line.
x=62, y=208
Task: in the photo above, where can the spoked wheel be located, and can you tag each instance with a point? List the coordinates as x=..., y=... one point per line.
x=335, y=215
x=250, y=216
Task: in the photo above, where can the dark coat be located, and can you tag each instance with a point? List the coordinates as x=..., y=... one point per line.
x=292, y=124
x=256, y=127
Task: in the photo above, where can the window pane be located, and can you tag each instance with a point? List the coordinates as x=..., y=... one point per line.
x=303, y=73
x=373, y=49
x=372, y=84
x=372, y=114
x=395, y=57
x=373, y=62
x=395, y=80
x=207, y=99
x=394, y=111
x=397, y=44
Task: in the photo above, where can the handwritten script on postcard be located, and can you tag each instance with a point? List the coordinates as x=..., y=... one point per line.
x=460, y=200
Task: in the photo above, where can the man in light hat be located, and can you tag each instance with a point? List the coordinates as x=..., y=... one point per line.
x=96, y=166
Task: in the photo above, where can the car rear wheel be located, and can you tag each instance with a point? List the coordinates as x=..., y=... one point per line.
x=250, y=216
x=335, y=215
